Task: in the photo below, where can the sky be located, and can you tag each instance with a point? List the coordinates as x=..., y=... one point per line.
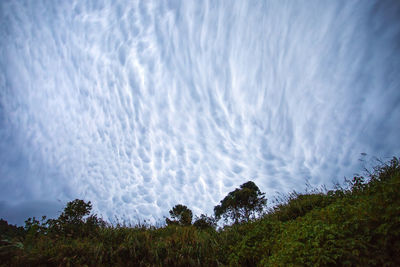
x=141, y=105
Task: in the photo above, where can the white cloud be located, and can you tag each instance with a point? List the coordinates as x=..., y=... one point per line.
x=140, y=106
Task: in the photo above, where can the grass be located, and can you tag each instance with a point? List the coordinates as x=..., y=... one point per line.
x=354, y=226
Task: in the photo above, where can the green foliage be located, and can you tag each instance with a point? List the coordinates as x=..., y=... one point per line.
x=359, y=228
x=9, y=232
x=241, y=204
x=298, y=205
x=355, y=226
x=180, y=215
x=250, y=242
x=75, y=211
x=10, y=241
x=122, y=246
x=205, y=222
x=74, y=221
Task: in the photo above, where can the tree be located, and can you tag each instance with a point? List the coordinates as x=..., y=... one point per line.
x=241, y=204
x=205, y=222
x=75, y=220
x=9, y=231
x=181, y=215
x=75, y=211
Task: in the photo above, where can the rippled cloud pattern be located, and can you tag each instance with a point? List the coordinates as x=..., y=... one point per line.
x=140, y=105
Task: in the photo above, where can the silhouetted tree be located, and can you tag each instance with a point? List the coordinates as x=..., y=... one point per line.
x=9, y=231
x=241, y=204
x=180, y=215
x=75, y=211
x=204, y=222
x=75, y=219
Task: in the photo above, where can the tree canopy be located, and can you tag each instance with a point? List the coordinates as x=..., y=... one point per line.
x=75, y=211
x=181, y=215
x=204, y=222
x=75, y=219
x=241, y=204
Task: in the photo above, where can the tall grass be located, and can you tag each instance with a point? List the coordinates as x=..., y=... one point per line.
x=354, y=226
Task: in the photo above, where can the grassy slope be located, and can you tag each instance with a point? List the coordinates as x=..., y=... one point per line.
x=358, y=226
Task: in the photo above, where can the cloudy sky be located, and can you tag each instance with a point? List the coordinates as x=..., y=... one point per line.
x=141, y=105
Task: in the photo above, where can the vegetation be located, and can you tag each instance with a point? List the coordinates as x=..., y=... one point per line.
x=358, y=225
x=205, y=222
x=242, y=203
x=180, y=215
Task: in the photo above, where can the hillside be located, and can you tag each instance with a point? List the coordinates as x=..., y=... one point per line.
x=356, y=225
